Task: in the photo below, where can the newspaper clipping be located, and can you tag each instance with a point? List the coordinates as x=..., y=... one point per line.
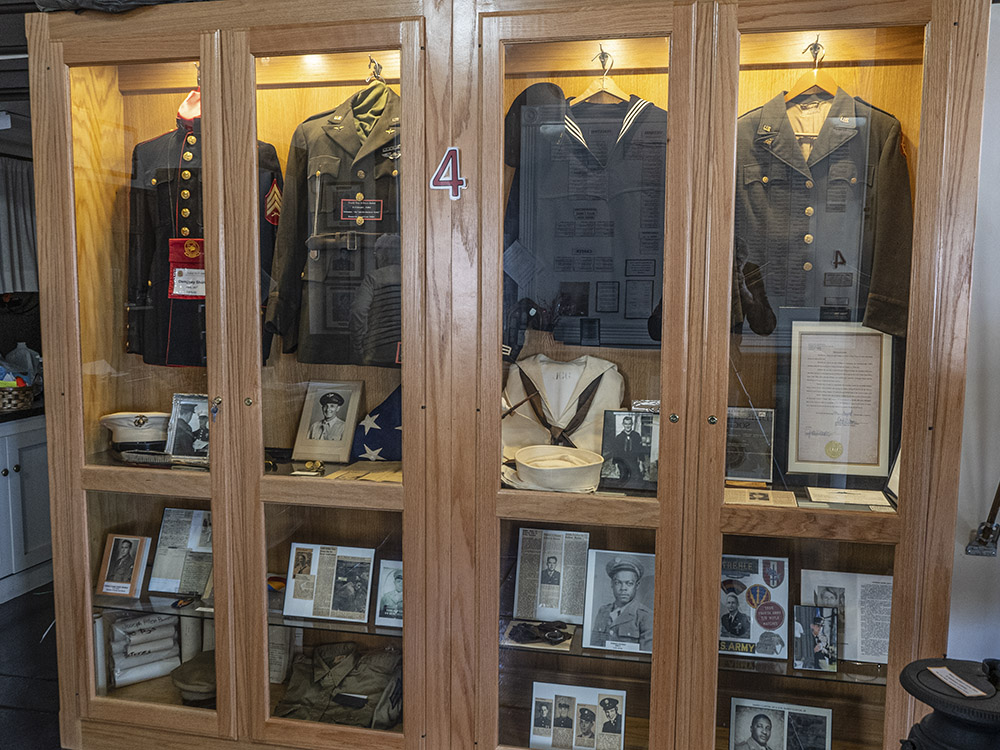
x=330, y=583
x=551, y=578
x=864, y=609
x=183, y=560
x=753, y=606
x=755, y=725
x=570, y=717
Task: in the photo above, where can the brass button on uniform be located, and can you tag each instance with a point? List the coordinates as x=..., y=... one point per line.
x=361, y=173
x=359, y=221
x=395, y=173
x=764, y=179
x=185, y=194
x=185, y=231
x=359, y=197
x=152, y=181
x=854, y=180
x=808, y=239
x=192, y=140
x=809, y=211
x=809, y=184
x=185, y=212
x=186, y=175
x=187, y=156
x=807, y=266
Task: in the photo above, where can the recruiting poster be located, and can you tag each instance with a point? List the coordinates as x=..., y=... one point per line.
x=753, y=606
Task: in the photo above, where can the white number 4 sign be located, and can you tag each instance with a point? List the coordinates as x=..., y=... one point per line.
x=448, y=175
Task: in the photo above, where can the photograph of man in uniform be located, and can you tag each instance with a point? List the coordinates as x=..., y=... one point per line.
x=734, y=623
x=350, y=590
x=200, y=436
x=628, y=449
x=303, y=561
x=760, y=733
x=564, y=719
x=550, y=575
x=188, y=417
x=613, y=725
x=815, y=638
x=331, y=425
x=543, y=715
x=391, y=603
x=585, y=726
x=183, y=444
x=122, y=561
x=627, y=619
x=629, y=444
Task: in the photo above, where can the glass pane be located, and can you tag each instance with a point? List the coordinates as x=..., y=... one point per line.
x=576, y=634
x=331, y=259
x=335, y=615
x=140, y=235
x=584, y=179
x=826, y=161
x=153, y=606
x=804, y=637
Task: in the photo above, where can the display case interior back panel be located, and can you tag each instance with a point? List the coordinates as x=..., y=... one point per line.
x=142, y=311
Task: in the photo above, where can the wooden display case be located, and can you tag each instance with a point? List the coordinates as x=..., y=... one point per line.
x=103, y=84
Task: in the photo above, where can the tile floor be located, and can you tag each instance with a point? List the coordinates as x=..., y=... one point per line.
x=29, y=698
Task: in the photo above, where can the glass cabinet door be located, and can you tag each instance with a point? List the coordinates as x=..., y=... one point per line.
x=147, y=258
x=338, y=246
x=826, y=154
x=574, y=265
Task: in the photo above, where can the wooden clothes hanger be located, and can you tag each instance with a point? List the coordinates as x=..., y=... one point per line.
x=815, y=78
x=602, y=87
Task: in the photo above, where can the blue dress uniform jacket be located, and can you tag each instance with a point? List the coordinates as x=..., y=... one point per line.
x=166, y=321
x=584, y=223
x=341, y=195
x=833, y=231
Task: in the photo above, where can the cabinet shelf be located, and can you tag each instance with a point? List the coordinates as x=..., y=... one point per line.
x=808, y=523
x=856, y=672
x=568, y=507
x=103, y=474
x=160, y=605
x=336, y=493
x=363, y=628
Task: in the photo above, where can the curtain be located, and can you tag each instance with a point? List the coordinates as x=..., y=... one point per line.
x=18, y=262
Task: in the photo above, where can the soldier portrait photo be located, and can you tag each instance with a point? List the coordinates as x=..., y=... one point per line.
x=630, y=445
x=543, y=717
x=550, y=573
x=613, y=718
x=733, y=622
x=122, y=561
x=619, y=607
x=756, y=728
x=326, y=425
x=390, y=595
x=187, y=431
x=586, y=717
x=329, y=426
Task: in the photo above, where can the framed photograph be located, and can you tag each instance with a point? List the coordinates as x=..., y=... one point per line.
x=389, y=612
x=778, y=726
x=329, y=582
x=816, y=638
x=838, y=417
x=631, y=448
x=749, y=435
x=551, y=575
x=329, y=416
x=753, y=606
x=572, y=716
x=619, y=609
x=187, y=431
x=123, y=566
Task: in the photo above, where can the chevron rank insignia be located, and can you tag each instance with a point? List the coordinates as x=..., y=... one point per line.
x=272, y=203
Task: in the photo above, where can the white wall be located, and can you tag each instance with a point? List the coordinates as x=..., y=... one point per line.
x=975, y=598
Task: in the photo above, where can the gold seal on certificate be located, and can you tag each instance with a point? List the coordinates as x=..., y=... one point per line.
x=834, y=449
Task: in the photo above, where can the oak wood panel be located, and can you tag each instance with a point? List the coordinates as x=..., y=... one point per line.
x=938, y=325
x=339, y=493
x=155, y=717
x=53, y=199
x=576, y=58
x=171, y=22
x=329, y=736
x=709, y=100
x=811, y=524
x=578, y=508
x=820, y=14
x=359, y=35
x=126, y=736
x=146, y=481
x=83, y=51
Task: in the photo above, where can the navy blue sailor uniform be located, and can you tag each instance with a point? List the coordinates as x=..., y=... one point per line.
x=166, y=254
x=584, y=223
x=831, y=230
x=341, y=197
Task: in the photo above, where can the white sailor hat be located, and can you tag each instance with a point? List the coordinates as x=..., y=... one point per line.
x=555, y=467
x=137, y=431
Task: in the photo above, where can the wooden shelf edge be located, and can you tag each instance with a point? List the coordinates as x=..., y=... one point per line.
x=137, y=480
x=579, y=508
x=195, y=721
x=805, y=523
x=333, y=493
x=312, y=734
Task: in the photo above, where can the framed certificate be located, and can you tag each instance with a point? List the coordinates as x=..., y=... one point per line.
x=838, y=421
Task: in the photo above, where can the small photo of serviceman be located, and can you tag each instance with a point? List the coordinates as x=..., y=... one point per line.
x=330, y=423
x=619, y=607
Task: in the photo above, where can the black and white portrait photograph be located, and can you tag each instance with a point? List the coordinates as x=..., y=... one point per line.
x=550, y=573
x=630, y=447
x=303, y=562
x=816, y=638
x=187, y=432
x=619, y=609
x=566, y=717
x=390, y=594
x=329, y=416
x=351, y=587
x=122, y=562
x=831, y=596
x=734, y=622
x=754, y=727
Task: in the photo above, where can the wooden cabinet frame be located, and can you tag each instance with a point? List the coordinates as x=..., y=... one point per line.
x=452, y=512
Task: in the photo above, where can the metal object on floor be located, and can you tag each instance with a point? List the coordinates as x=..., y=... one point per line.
x=966, y=703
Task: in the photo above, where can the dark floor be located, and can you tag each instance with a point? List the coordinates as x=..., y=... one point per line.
x=29, y=697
